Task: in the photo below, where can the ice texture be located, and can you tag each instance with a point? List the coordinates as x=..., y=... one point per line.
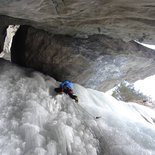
x=34, y=120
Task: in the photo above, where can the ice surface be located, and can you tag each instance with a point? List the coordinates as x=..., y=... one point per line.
x=36, y=121
x=11, y=30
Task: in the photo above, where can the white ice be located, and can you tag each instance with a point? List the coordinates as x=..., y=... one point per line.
x=11, y=30
x=146, y=86
x=36, y=121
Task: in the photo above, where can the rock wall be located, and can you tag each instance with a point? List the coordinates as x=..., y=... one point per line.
x=2, y=36
x=98, y=61
x=85, y=41
x=125, y=19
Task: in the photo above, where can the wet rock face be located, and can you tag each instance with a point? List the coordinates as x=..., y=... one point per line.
x=126, y=19
x=2, y=36
x=98, y=61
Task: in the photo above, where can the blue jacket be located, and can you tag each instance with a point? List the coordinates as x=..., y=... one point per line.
x=66, y=84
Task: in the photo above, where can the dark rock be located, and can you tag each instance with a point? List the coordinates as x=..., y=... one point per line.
x=18, y=44
x=98, y=61
x=2, y=36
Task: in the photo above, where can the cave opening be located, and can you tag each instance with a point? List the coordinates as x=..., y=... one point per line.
x=151, y=46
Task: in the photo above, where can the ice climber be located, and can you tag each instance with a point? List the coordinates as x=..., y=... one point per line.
x=67, y=87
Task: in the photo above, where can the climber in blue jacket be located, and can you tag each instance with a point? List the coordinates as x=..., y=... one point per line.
x=67, y=87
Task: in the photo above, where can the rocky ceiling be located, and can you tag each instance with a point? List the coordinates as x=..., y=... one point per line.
x=125, y=19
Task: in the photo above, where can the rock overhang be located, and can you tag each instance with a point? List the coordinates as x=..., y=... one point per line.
x=128, y=20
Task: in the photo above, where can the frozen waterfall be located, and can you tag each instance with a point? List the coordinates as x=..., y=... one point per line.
x=36, y=121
